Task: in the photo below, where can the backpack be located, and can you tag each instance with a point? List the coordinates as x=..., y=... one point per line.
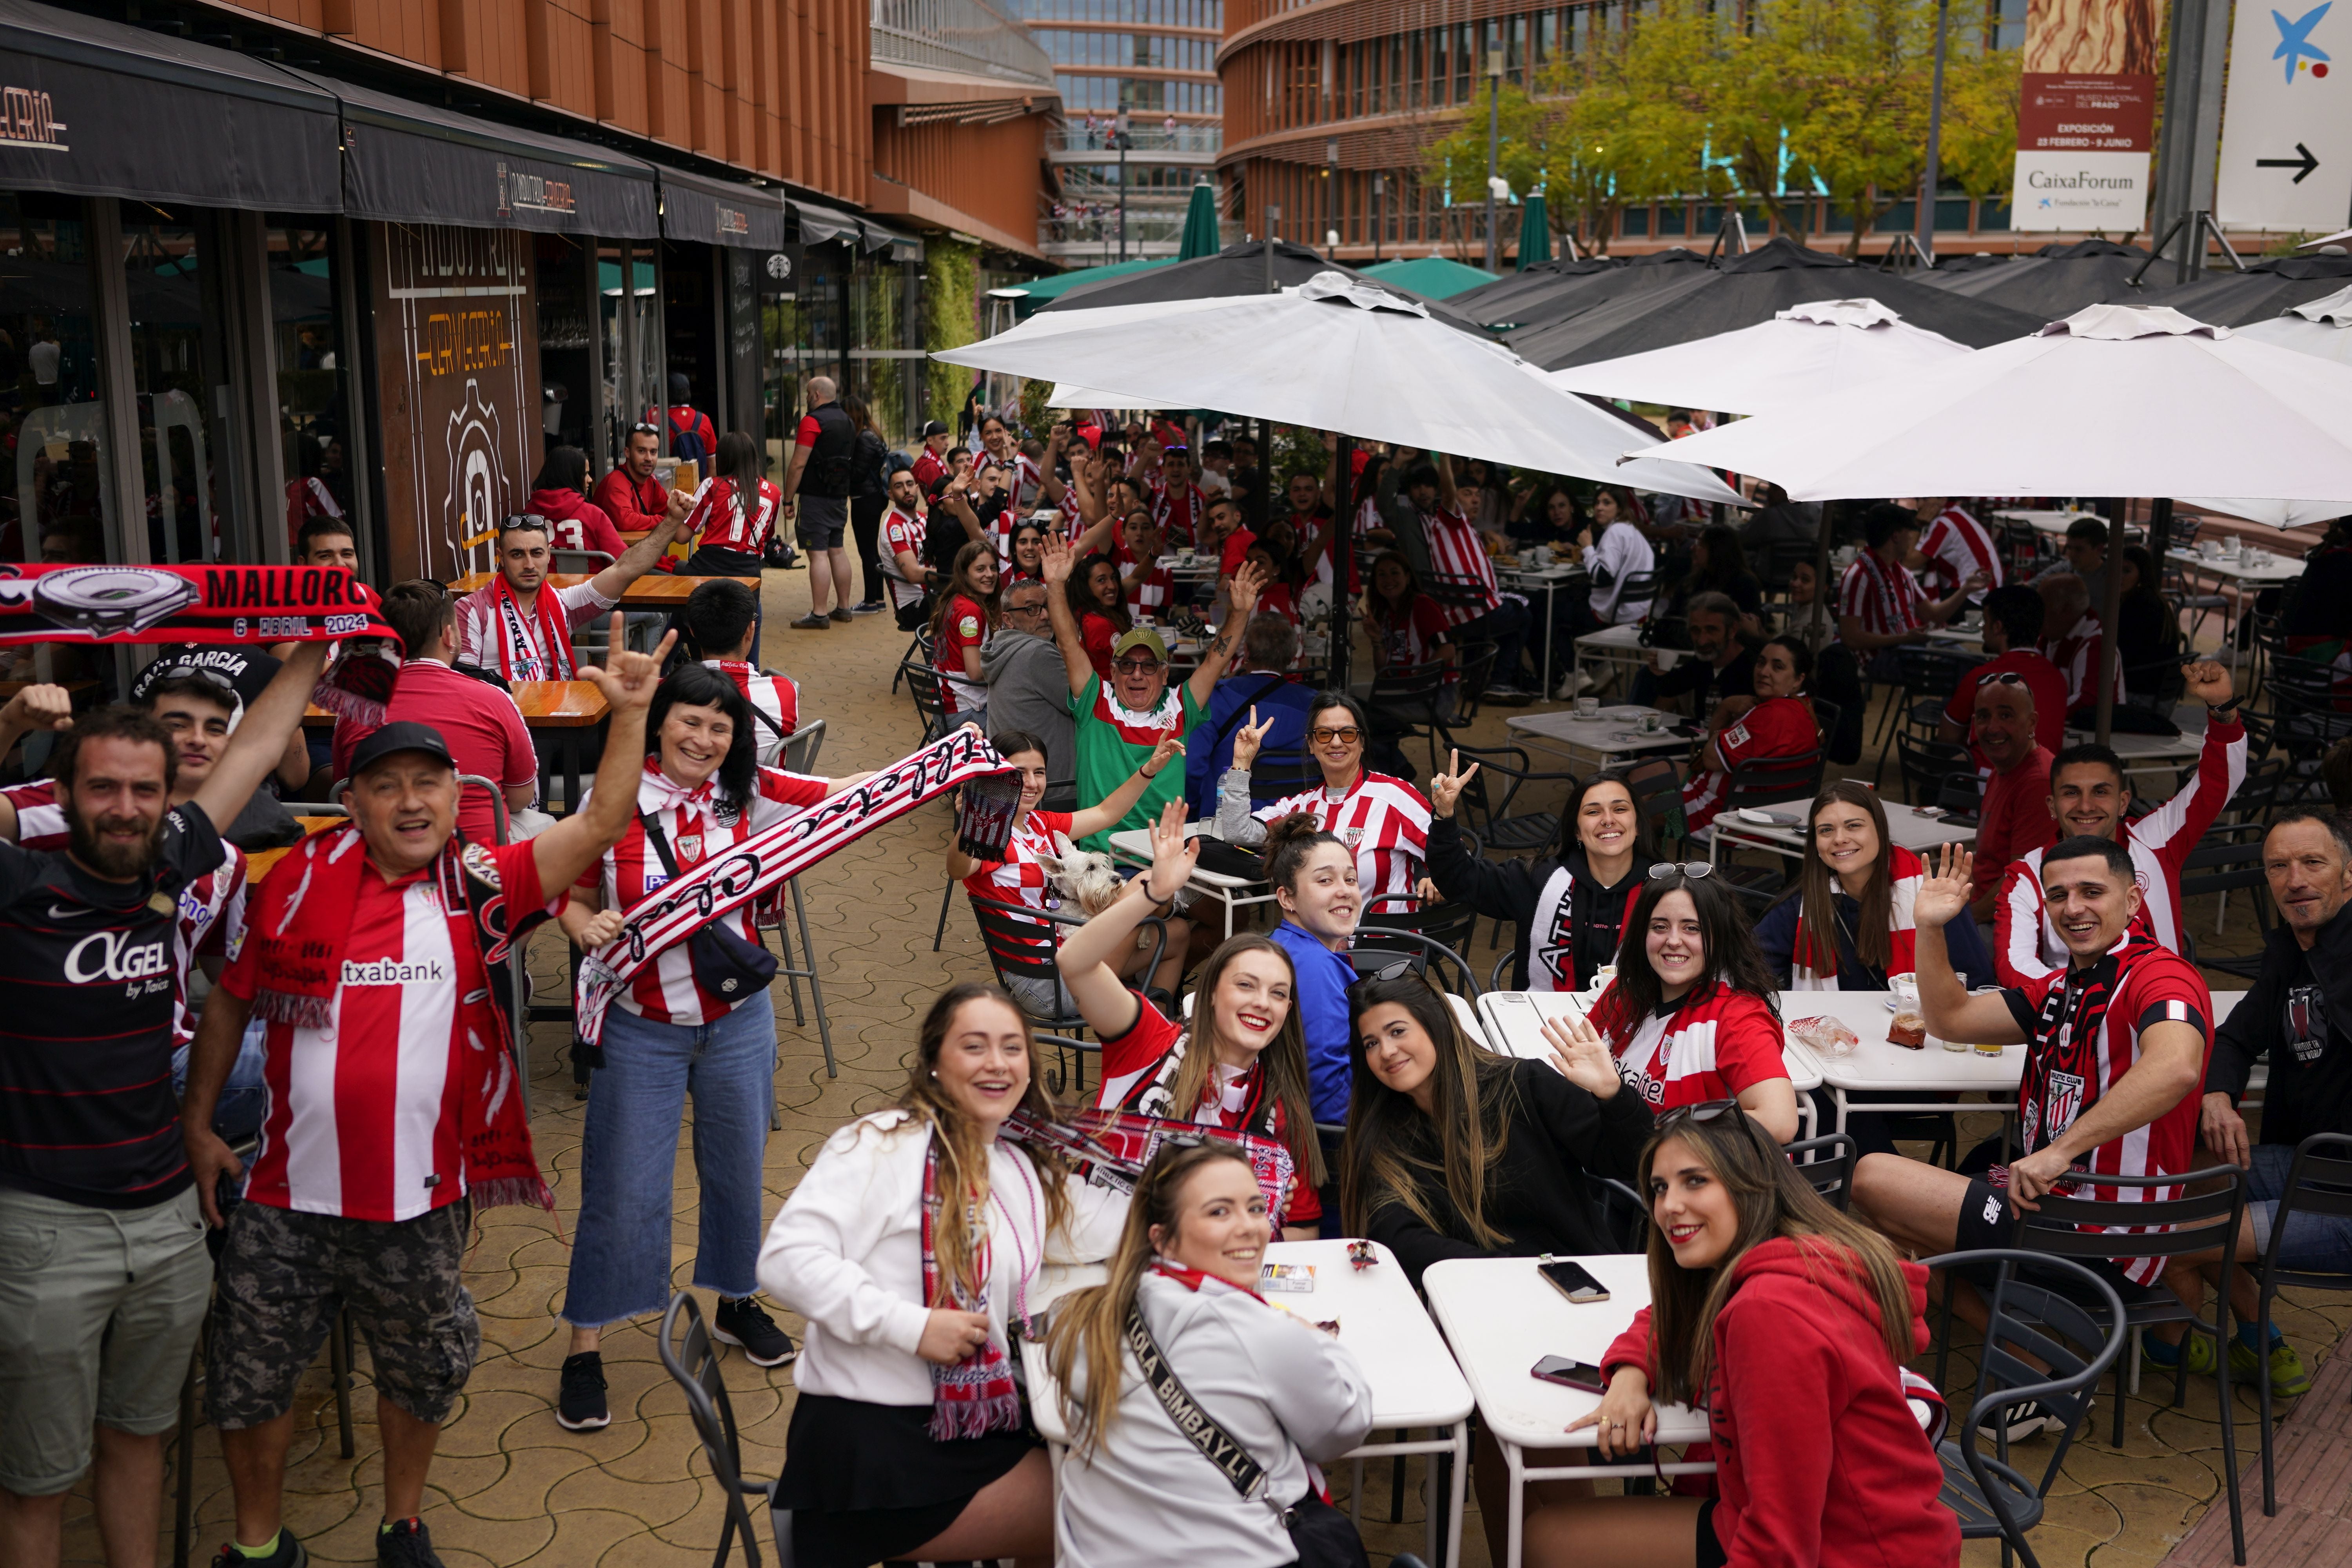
x=686, y=443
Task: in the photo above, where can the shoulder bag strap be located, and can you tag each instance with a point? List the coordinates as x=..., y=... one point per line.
x=1240, y=715
x=652, y=824
x=1200, y=1428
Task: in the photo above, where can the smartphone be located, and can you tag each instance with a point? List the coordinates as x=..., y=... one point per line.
x=1570, y=1374
x=1573, y=1280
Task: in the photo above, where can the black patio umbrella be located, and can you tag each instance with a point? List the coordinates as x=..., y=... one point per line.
x=2262, y=290
x=2059, y=279
x=1951, y=268
x=1743, y=290
x=1576, y=296
x=1491, y=302
x=1237, y=270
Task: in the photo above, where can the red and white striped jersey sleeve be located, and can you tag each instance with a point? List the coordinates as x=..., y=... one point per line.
x=2173, y=828
x=1456, y=551
x=40, y=818
x=2020, y=919
x=1958, y=547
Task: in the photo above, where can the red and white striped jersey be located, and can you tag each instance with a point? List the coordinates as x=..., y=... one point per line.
x=716, y=520
x=1715, y=1044
x=1456, y=551
x=517, y=644
x=363, y=1113
x=1179, y=508
x=1409, y=640
x=1776, y=727
x=307, y=499
x=1018, y=878
x=210, y=924
x=1384, y=820
x=1153, y=592
x=697, y=824
x=2077, y=654
x=40, y=817
x=902, y=530
x=1958, y=547
x=2133, y=987
x=775, y=702
x=1886, y=599
x=1028, y=483
x=2025, y=943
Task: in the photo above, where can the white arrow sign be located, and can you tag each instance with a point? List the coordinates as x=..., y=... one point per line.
x=2286, y=123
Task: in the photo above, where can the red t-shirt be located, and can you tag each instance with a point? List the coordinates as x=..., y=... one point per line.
x=1410, y=641
x=1714, y=1044
x=2014, y=819
x=1095, y=630
x=1137, y=1067
x=1776, y=727
x=576, y=523
x=1237, y=544
x=2041, y=678
x=633, y=505
x=965, y=625
x=483, y=727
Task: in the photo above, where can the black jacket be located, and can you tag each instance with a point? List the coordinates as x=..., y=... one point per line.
x=1509, y=890
x=1542, y=1194
x=2307, y=1093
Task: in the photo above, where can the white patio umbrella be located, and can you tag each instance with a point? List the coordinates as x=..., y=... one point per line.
x=1332, y=355
x=2319, y=327
x=1802, y=353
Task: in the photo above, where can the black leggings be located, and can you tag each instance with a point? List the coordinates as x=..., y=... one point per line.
x=866, y=527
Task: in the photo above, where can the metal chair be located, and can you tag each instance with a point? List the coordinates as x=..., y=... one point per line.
x=1658, y=797
x=2230, y=857
x=694, y=1364
x=588, y=561
x=1452, y=924
x=1925, y=675
x=931, y=702
x=1371, y=957
x=1010, y=935
x=1923, y=765
x=2319, y=1182
x=800, y=754
x=1827, y=1162
x=1405, y=705
x=2076, y=1330
x=1485, y=813
x=947, y=894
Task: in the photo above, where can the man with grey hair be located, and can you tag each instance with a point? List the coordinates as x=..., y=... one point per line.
x=822, y=475
x=1028, y=686
x=1259, y=677
x=1720, y=663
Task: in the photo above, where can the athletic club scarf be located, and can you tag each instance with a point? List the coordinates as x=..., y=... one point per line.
x=1811, y=969
x=211, y=605
x=2062, y=1062
x=767, y=861
x=1110, y=1149
x=539, y=640
x=1551, y=939
x=976, y=1395
x=300, y=925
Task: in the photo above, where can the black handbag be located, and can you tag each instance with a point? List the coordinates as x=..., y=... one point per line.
x=724, y=964
x=1324, y=1536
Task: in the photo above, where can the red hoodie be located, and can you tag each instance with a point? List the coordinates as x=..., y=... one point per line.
x=1839, y=1475
x=578, y=523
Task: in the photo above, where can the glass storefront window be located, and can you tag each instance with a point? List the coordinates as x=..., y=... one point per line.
x=569, y=323
x=634, y=315
x=313, y=373
x=174, y=357
x=58, y=502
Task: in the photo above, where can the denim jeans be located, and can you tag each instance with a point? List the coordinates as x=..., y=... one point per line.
x=621, y=1253
x=2315, y=1243
x=245, y=1097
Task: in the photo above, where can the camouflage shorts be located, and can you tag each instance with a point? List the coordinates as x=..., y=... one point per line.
x=284, y=1274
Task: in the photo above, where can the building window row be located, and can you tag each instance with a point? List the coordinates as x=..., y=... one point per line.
x=1143, y=51
x=1110, y=94
x=1205, y=13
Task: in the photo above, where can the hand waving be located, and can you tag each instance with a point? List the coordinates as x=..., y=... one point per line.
x=1174, y=856
x=1170, y=747
x=1446, y=788
x=1582, y=1056
x=1055, y=560
x=627, y=679
x=1945, y=892
x=1249, y=738
x=1247, y=584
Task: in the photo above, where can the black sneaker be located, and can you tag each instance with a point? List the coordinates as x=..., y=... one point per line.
x=579, y=1402
x=407, y=1544
x=289, y=1555
x=746, y=1323
x=2015, y=1422
x=870, y=608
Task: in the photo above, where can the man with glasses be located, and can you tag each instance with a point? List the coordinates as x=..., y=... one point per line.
x=631, y=496
x=1120, y=722
x=1028, y=689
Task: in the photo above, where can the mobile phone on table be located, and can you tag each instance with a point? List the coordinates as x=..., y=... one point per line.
x=1570, y=1374
x=1573, y=1281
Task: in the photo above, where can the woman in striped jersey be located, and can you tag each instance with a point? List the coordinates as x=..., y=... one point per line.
x=1846, y=925
x=1383, y=820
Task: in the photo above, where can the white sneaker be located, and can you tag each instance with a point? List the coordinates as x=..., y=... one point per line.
x=1571, y=685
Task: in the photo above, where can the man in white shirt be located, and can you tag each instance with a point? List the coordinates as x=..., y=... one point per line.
x=520, y=627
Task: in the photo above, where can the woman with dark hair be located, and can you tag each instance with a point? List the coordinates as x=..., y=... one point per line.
x=733, y=512
x=1135, y=1488
x=560, y=494
x=1846, y=925
x=1548, y=515
x=675, y=1032
x=1789, y=1323
x=1406, y=625
x=967, y=612
x=2141, y=643
x=1570, y=906
x=1384, y=817
x=1754, y=732
x=1241, y=1065
x=1313, y=874
x=869, y=497
x=1691, y=1016
x=1718, y=564
x=912, y=1246
x=1099, y=601
x=1026, y=562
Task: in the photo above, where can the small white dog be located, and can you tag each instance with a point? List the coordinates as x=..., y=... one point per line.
x=1085, y=877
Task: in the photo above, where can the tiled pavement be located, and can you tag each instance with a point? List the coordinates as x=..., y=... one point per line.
x=511, y=1487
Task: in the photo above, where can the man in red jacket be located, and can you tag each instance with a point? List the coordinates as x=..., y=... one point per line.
x=2014, y=816
x=630, y=495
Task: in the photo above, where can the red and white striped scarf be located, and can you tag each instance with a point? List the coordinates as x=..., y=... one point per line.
x=1811, y=969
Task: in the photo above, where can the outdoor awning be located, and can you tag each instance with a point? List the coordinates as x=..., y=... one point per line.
x=93, y=108
x=902, y=247
x=717, y=211
x=820, y=223
x=410, y=162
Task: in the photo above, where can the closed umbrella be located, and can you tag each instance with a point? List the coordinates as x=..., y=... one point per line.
x=1535, y=232
x=1800, y=353
x=2260, y=292
x=2115, y=400
x=1575, y=289
x=1237, y=270
x=1201, y=236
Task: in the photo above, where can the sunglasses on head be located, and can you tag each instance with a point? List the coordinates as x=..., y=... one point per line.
x=1694, y=869
x=642, y=429
x=1709, y=1110
x=2001, y=677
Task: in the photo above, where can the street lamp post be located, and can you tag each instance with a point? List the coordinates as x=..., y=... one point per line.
x=1122, y=140
x=1493, y=140
x=1931, y=176
x=1380, y=210
x=1331, y=193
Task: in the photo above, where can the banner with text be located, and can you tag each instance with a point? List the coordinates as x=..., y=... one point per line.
x=2086, y=115
x=2287, y=120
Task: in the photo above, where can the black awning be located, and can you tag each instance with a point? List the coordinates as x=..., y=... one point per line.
x=93, y=108
x=819, y=224
x=719, y=213
x=410, y=162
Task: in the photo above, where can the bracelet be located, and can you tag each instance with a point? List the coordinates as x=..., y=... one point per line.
x=1149, y=778
x=2222, y=710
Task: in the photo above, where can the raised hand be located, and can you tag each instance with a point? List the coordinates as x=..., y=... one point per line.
x=2208, y=682
x=627, y=679
x=1582, y=1054
x=1446, y=788
x=1249, y=738
x=1169, y=746
x=1174, y=856
x=38, y=707
x=1247, y=584
x=1054, y=560
x=1944, y=894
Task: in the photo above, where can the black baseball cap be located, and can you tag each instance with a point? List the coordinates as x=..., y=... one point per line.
x=936, y=428
x=404, y=736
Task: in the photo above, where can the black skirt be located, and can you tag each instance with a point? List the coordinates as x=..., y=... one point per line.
x=867, y=1483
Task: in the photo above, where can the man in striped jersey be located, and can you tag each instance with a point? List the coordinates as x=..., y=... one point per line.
x=1475, y=607
x=1955, y=547
x=1880, y=603
x=2114, y=1053
x=2089, y=798
x=722, y=623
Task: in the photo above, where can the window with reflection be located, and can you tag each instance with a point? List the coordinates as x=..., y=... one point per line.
x=52, y=417
x=313, y=374
x=176, y=355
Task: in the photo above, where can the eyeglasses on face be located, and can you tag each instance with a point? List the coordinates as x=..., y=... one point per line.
x=1694, y=869
x=1138, y=665
x=1346, y=736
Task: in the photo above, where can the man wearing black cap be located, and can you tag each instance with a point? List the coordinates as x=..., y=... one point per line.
x=395, y=1106
x=931, y=462
x=691, y=437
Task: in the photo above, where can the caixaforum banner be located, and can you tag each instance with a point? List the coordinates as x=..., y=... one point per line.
x=2086, y=115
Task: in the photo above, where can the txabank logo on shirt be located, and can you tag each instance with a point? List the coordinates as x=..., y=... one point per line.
x=392, y=971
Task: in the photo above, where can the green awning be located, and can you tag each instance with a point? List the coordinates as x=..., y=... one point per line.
x=1431, y=277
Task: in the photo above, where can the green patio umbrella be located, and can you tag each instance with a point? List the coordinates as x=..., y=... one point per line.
x=1535, y=233
x=1201, y=225
x=1431, y=277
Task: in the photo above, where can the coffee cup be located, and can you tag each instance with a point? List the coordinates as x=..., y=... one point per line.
x=2208, y=548
x=1906, y=991
x=1588, y=707
x=1653, y=723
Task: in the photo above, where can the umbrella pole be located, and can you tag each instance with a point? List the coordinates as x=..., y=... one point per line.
x=2110, y=615
x=1343, y=556
x=1819, y=636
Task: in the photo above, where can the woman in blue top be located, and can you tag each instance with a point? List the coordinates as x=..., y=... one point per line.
x=1314, y=877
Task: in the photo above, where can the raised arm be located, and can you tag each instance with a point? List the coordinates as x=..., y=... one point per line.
x=1056, y=564
x=954, y=496
x=615, y=580
x=1248, y=583
x=1087, y=957
x=259, y=744
x=1116, y=805
x=627, y=680
x=1448, y=496
x=37, y=707
x=1943, y=1001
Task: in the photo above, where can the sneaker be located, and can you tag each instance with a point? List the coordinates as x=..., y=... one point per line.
x=2198, y=1352
x=579, y=1402
x=812, y=623
x=839, y=614
x=870, y=608
x=2017, y=1421
x=289, y=1555
x=1572, y=686
x=746, y=1323
x=2288, y=1379
x=407, y=1544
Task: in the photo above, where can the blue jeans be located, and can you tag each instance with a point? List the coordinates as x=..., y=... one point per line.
x=2315, y=1243
x=245, y=1097
x=621, y=1254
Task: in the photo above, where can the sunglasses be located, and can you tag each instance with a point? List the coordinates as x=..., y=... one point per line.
x=1694, y=869
x=2001, y=677
x=1138, y=666
x=641, y=428
x=1347, y=737
x=1710, y=1110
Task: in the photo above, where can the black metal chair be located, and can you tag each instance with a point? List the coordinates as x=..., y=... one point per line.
x=1925, y=764
x=2229, y=857
x=1452, y=924
x=1927, y=675
x=919, y=651
x=1773, y=781
x=1405, y=705
x=2320, y=1183
x=1658, y=797
x=1377, y=945
x=1827, y=1162
x=1485, y=811
x=2044, y=1309
x=1011, y=934
x=694, y=1363
x=931, y=702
